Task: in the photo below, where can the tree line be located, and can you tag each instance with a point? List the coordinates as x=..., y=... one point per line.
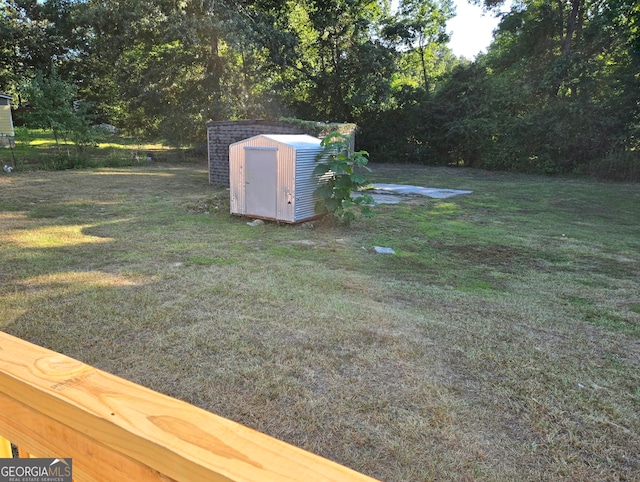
x=558, y=90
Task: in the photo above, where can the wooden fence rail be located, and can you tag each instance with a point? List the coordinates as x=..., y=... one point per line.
x=56, y=407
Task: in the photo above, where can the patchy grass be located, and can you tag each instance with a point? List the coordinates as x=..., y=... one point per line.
x=500, y=343
x=38, y=149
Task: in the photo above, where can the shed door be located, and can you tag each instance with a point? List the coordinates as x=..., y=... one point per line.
x=261, y=178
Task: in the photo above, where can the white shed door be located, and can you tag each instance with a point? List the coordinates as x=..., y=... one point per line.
x=261, y=179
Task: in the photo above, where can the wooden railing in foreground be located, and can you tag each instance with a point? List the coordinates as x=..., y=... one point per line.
x=53, y=406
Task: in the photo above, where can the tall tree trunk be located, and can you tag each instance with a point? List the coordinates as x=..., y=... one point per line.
x=572, y=26
x=575, y=18
x=215, y=74
x=424, y=69
x=561, y=17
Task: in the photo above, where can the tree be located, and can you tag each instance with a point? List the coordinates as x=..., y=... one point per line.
x=24, y=47
x=555, y=93
x=55, y=108
x=331, y=63
x=339, y=169
x=420, y=27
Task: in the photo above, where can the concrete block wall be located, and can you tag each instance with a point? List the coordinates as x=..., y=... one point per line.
x=221, y=134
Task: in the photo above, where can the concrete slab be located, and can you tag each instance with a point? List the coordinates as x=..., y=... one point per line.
x=408, y=190
x=385, y=198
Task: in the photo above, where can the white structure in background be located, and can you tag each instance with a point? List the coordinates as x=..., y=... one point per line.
x=271, y=177
x=7, y=133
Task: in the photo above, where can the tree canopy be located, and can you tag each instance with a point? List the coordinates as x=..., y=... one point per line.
x=557, y=91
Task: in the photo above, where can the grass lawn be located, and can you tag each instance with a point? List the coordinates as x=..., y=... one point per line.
x=501, y=342
x=38, y=149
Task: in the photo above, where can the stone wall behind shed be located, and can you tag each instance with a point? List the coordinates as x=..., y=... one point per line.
x=221, y=134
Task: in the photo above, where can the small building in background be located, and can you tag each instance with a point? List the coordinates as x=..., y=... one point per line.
x=7, y=134
x=271, y=177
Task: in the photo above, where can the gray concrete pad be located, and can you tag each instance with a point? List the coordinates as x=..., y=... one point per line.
x=408, y=190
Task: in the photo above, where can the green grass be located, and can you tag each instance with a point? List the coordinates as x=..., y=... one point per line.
x=501, y=342
x=38, y=149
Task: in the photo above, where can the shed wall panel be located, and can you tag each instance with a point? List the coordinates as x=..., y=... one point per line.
x=286, y=183
x=6, y=122
x=306, y=184
x=236, y=172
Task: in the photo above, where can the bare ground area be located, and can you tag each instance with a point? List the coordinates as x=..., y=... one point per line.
x=501, y=342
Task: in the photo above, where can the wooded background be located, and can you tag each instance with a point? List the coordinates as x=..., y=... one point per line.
x=558, y=90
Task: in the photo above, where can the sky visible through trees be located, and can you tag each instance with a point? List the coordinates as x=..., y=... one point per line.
x=471, y=29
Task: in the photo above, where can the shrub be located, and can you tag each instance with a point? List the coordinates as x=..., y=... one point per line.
x=618, y=166
x=337, y=167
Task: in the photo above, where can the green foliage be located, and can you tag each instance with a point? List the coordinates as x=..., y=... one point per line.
x=51, y=100
x=36, y=149
x=619, y=166
x=337, y=167
x=165, y=68
x=54, y=108
x=420, y=27
x=24, y=135
x=62, y=162
x=31, y=35
x=321, y=129
x=557, y=92
x=333, y=64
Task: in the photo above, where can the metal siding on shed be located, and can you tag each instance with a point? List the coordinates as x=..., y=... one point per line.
x=236, y=175
x=6, y=123
x=306, y=184
x=296, y=183
x=296, y=180
x=286, y=182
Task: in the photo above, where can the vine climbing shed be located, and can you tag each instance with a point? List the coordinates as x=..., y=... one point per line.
x=271, y=177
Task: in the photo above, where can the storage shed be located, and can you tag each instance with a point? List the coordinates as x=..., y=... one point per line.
x=271, y=177
x=6, y=122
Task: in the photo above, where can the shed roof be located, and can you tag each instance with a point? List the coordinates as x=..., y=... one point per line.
x=5, y=96
x=297, y=141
